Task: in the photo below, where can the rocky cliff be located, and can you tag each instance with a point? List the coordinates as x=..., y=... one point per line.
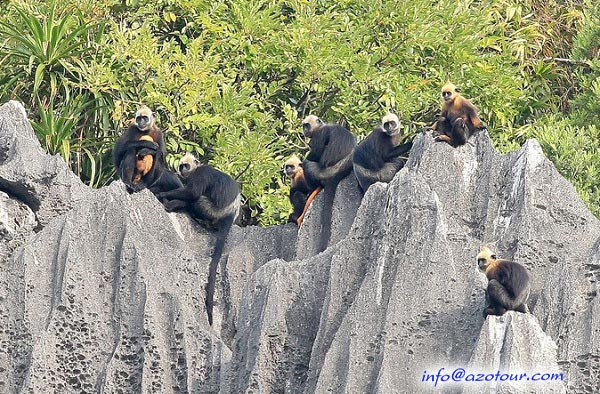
x=102, y=291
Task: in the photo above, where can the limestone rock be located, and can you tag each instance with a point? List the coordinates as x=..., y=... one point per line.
x=106, y=291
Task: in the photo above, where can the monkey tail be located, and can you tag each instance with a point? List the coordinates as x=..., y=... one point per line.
x=222, y=234
x=498, y=293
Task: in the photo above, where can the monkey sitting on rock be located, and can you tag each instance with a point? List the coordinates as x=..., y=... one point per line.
x=299, y=191
x=459, y=119
x=139, y=156
x=330, y=157
x=508, y=284
x=207, y=194
x=380, y=156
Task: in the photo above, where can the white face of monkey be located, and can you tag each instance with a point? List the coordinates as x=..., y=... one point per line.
x=187, y=164
x=291, y=166
x=144, y=119
x=310, y=124
x=391, y=124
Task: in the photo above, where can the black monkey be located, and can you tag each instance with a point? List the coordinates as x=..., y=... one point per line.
x=508, y=283
x=134, y=139
x=152, y=174
x=208, y=194
x=330, y=156
x=299, y=191
x=379, y=156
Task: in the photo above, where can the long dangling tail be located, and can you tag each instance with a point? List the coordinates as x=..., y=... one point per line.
x=309, y=200
x=222, y=234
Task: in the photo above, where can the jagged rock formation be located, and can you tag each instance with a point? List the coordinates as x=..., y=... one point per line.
x=102, y=291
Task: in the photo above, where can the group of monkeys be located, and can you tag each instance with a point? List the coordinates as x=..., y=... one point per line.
x=212, y=196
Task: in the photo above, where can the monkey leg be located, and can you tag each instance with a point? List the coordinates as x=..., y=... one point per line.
x=494, y=310
x=444, y=138
x=309, y=200
x=499, y=296
x=174, y=205
x=523, y=308
x=460, y=132
x=177, y=194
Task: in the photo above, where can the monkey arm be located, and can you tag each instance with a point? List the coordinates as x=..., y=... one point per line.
x=444, y=138
x=182, y=193
x=474, y=117
x=477, y=123
x=397, y=151
x=151, y=145
x=174, y=205
x=317, y=145
x=162, y=147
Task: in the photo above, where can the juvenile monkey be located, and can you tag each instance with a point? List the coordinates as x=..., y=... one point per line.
x=508, y=283
x=459, y=119
x=299, y=191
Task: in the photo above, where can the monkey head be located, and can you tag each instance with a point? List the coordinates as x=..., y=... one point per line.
x=144, y=119
x=391, y=124
x=449, y=92
x=291, y=166
x=485, y=259
x=310, y=124
x=187, y=164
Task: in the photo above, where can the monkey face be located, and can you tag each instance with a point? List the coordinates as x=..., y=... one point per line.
x=310, y=124
x=289, y=170
x=485, y=258
x=142, y=122
x=187, y=164
x=449, y=91
x=291, y=166
x=391, y=124
x=144, y=119
x=482, y=264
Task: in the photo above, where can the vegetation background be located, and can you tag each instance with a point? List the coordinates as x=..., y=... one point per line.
x=230, y=80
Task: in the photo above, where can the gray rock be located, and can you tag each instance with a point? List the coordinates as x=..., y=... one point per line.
x=17, y=221
x=108, y=295
x=514, y=342
x=41, y=181
x=404, y=294
x=328, y=218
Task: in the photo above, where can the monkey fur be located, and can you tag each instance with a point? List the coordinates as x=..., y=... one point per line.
x=508, y=284
x=300, y=190
x=330, y=157
x=132, y=141
x=379, y=156
x=459, y=119
x=207, y=194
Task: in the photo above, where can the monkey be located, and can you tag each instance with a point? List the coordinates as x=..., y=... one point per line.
x=508, y=283
x=150, y=172
x=143, y=164
x=330, y=156
x=379, y=156
x=210, y=195
x=299, y=191
x=133, y=140
x=459, y=119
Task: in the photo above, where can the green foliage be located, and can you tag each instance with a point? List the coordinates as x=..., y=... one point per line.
x=231, y=81
x=576, y=154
